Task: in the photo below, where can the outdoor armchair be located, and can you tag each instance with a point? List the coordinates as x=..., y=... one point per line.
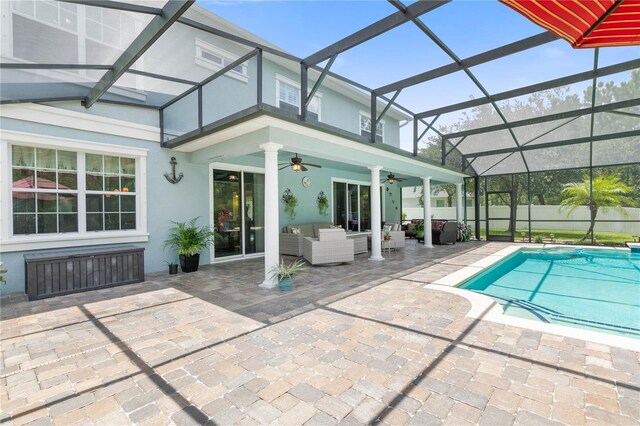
x=331, y=246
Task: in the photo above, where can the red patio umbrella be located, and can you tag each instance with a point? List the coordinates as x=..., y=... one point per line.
x=585, y=23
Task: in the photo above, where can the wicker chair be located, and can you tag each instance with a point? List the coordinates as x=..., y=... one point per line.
x=331, y=246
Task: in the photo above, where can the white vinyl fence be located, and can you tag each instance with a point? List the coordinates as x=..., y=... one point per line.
x=539, y=213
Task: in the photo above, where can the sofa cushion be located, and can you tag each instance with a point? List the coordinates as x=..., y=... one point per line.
x=327, y=234
x=318, y=226
x=437, y=224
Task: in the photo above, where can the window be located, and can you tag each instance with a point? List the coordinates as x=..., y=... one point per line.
x=56, y=191
x=440, y=203
x=288, y=98
x=214, y=58
x=44, y=190
x=365, y=127
x=57, y=14
x=111, y=193
x=110, y=27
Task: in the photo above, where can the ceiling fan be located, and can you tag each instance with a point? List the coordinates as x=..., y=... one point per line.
x=391, y=178
x=297, y=165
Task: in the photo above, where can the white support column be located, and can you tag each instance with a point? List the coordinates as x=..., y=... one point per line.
x=376, y=232
x=459, y=207
x=428, y=241
x=271, y=213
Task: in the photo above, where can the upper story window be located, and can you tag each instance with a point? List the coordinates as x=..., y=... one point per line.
x=215, y=58
x=58, y=191
x=365, y=127
x=110, y=27
x=288, y=98
x=57, y=14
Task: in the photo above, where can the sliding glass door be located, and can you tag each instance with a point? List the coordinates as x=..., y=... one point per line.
x=352, y=206
x=238, y=213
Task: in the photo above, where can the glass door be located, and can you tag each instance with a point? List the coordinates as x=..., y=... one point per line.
x=253, y=213
x=353, y=210
x=238, y=213
x=340, y=204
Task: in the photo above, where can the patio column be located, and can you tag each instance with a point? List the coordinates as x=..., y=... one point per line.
x=271, y=212
x=376, y=232
x=426, y=183
x=459, y=207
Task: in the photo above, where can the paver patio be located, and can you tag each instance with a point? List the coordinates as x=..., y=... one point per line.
x=353, y=344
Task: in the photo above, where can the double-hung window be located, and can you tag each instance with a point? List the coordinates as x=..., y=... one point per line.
x=111, y=192
x=365, y=127
x=69, y=191
x=288, y=98
x=44, y=190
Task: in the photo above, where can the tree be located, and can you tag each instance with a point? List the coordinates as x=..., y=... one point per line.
x=606, y=192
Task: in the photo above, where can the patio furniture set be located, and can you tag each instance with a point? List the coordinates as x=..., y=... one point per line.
x=323, y=243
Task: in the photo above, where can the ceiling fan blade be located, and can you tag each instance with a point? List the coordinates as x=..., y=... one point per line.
x=303, y=168
x=313, y=165
x=283, y=167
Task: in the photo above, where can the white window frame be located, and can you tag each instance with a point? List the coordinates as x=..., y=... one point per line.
x=318, y=96
x=379, y=123
x=226, y=58
x=10, y=242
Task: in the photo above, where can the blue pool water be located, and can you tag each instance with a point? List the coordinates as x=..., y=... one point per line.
x=593, y=289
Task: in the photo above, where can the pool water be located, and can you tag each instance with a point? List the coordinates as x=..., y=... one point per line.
x=586, y=288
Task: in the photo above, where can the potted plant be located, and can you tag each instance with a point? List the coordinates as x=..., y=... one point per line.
x=387, y=235
x=285, y=273
x=188, y=239
x=419, y=228
x=290, y=202
x=464, y=232
x=323, y=203
x=173, y=267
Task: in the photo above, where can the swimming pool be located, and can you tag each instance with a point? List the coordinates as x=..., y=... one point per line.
x=592, y=289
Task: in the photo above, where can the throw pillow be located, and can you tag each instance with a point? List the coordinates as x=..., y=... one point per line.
x=386, y=228
x=295, y=230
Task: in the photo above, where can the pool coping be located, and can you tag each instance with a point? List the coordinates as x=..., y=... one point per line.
x=485, y=308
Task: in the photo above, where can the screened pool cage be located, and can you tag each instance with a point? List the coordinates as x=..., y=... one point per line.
x=563, y=116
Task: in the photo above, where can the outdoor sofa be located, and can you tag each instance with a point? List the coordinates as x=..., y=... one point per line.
x=293, y=235
x=442, y=231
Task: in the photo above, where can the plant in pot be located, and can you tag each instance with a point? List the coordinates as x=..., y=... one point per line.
x=323, y=203
x=173, y=267
x=188, y=239
x=290, y=203
x=387, y=235
x=419, y=228
x=285, y=273
x=464, y=232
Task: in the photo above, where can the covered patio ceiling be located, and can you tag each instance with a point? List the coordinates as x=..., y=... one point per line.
x=491, y=130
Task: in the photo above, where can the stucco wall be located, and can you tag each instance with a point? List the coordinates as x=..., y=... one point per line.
x=166, y=201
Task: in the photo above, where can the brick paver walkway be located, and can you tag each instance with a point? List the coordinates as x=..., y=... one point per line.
x=370, y=345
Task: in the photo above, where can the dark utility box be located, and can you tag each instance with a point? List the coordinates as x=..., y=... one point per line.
x=61, y=272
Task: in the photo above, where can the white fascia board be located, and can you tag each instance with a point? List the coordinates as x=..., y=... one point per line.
x=59, y=117
x=32, y=139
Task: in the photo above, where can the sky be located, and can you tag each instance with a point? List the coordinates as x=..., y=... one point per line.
x=468, y=27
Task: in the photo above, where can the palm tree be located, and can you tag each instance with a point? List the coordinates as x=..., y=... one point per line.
x=606, y=192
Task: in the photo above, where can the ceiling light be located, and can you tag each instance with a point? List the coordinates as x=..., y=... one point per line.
x=296, y=167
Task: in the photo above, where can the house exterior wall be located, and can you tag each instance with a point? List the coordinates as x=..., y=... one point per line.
x=165, y=201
